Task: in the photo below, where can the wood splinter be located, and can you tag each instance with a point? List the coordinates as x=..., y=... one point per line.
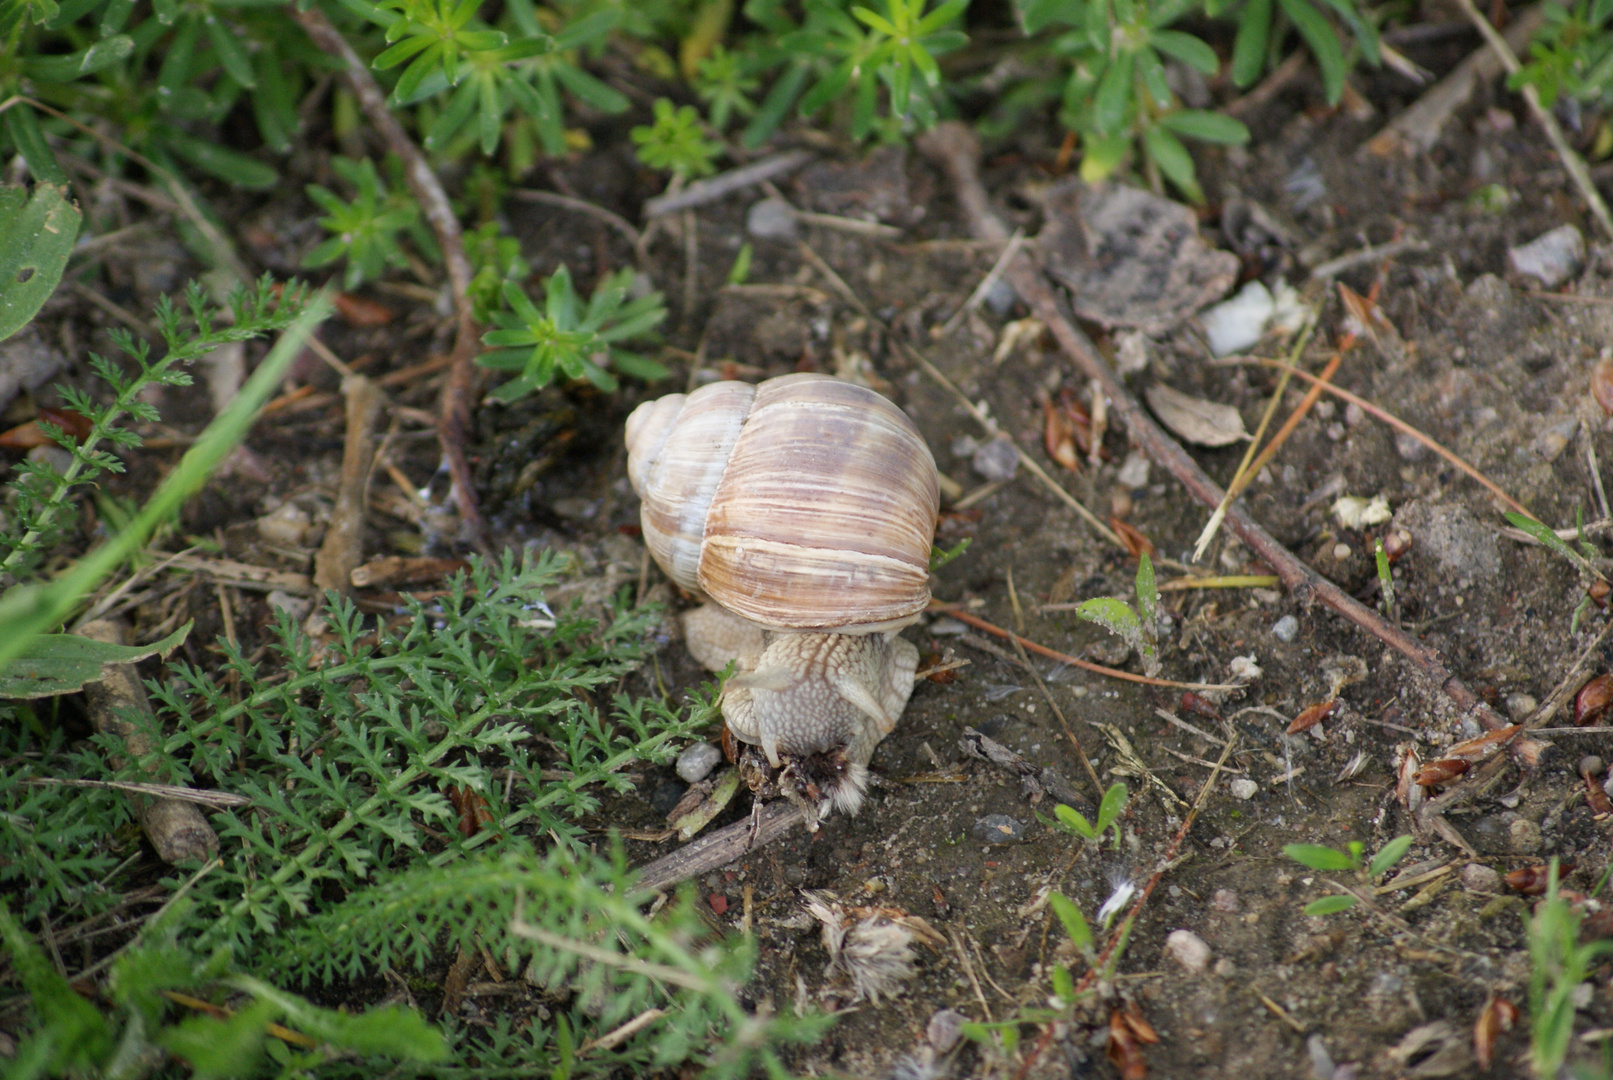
x=177, y=829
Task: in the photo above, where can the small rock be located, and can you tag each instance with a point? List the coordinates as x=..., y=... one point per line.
x=997, y=459
x=1133, y=472
x=285, y=527
x=1285, y=629
x=1409, y=447
x=1551, y=258
x=998, y=829
x=1476, y=877
x=771, y=219
x=1189, y=950
x=1234, y=325
x=1000, y=298
x=1243, y=788
x=1523, y=836
x=1225, y=901
x=697, y=761
x=295, y=606
x=1521, y=705
x=947, y=626
x=1550, y=444
x=945, y=1029
x=1322, y=1067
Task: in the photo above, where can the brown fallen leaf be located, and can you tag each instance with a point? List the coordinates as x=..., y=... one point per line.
x=1313, y=715
x=1194, y=419
x=361, y=311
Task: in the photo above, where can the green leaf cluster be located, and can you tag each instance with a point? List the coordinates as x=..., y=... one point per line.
x=365, y=231
x=1571, y=55
x=39, y=507
x=1349, y=859
x=675, y=142
x=578, y=341
x=1137, y=626
x=1069, y=819
x=1559, y=964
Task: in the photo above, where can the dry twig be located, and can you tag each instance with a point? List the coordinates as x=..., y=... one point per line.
x=343, y=549
x=459, y=392
x=953, y=146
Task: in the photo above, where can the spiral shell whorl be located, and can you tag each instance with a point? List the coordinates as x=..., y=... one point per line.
x=676, y=456
x=804, y=503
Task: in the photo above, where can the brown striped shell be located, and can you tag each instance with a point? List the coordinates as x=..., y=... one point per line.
x=802, y=503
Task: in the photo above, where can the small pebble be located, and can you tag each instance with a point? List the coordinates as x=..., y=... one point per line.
x=295, y=606
x=286, y=526
x=1236, y=324
x=946, y=626
x=1000, y=298
x=1409, y=447
x=697, y=761
x=1521, y=705
x=1341, y=551
x=1243, y=788
x=945, y=1029
x=997, y=459
x=1285, y=629
x=1225, y=900
x=998, y=829
x=770, y=219
x=1189, y=950
x=1523, y=836
x=1476, y=877
x=1551, y=258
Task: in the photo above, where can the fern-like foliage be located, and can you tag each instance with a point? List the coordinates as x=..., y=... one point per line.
x=41, y=507
x=573, y=924
x=347, y=752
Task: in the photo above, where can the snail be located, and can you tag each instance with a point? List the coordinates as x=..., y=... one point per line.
x=803, y=508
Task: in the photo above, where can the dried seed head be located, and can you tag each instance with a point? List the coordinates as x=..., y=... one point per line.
x=1602, y=384
x=1593, y=701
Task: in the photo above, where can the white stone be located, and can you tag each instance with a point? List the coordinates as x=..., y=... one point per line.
x=697, y=761
x=1237, y=324
x=1189, y=950
x=1243, y=788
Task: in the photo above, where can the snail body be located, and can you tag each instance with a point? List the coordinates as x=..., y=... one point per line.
x=804, y=508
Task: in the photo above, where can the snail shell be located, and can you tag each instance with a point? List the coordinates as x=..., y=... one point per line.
x=802, y=503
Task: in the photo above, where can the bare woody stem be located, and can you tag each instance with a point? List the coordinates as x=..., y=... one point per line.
x=459, y=392
x=955, y=149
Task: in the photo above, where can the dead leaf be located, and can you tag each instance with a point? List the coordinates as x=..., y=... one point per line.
x=1130, y=258
x=1194, y=419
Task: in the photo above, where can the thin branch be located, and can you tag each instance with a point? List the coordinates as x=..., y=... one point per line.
x=954, y=147
x=459, y=391
x=702, y=192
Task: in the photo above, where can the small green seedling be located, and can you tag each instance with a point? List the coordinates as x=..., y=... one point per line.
x=1138, y=626
x=940, y=556
x=1386, y=582
x=1333, y=860
x=1071, y=820
x=1559, y=964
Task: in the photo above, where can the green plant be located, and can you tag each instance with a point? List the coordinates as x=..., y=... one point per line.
x=1386, y=581
x=1335, y=860
x=1070, y=820
x=496, y=261
x=1116, y=94
x=1559, y=964
x=40, y=508
x=1262, y=26
x=75, y=1037
x=364, y=231
x=576, y=341
x=675, y=142
x=1139, y=626
x=1571, y=55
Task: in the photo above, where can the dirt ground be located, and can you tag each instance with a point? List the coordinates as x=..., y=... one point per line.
x=1483, y=363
